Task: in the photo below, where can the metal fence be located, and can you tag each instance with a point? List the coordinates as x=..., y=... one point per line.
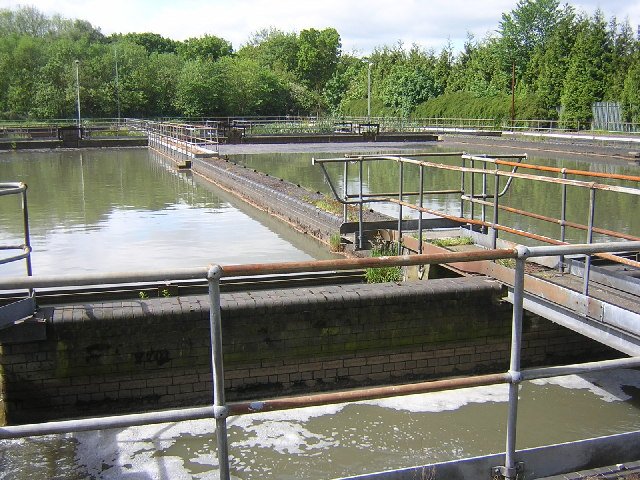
x=300, y=125
x=220, y=410
x=474, y=190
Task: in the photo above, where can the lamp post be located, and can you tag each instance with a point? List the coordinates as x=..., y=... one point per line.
x=77, y=62
x=369, y=92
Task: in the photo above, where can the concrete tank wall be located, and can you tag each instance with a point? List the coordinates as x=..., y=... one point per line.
x=117, y=357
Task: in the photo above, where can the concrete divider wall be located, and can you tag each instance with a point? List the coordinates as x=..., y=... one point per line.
x=127, y=356
x=283, y=199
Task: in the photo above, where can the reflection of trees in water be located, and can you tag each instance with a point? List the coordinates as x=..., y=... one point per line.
x=613, y=211
x=84, y=187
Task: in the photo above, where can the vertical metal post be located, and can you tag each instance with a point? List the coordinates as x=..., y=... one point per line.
x=345, y=193
x=369, y=93
x=115, y=54
x=462, y=188
x=215, y=320
x=563, y=216
x=420, y=204
x=77, y=62
x=514, y=364
x=27, y=235
x=360, y=226
x=587, y=258
x=473, y=176
x=400, y=190
x=484, y=197
x=494, y=230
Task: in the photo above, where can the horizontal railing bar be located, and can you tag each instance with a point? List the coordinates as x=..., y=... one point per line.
x=371, y=393
x=575, y=369
x=586, y=249
x=286, y=403
x=482, y=171
x=557, y=221
x=568, y=171
x=405, y=194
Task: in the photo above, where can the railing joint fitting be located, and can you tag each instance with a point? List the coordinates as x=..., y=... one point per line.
x=515, y=376
x=220, y=411
x=214, y=272
x=509, y=473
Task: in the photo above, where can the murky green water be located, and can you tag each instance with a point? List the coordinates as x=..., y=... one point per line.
x=613, y=210
x=109, y=210
x=340, y=440
x=121, y=210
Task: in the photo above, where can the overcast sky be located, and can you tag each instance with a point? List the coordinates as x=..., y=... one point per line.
x=362, y=24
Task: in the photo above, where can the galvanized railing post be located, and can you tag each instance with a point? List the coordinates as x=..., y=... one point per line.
x=587, y=258
x=473, y=176
x=400, y=191
x=215, y=319
x=484, y=198
x=509, y=470
x=420, y=204
x=563, y=216
x=494, y=230
x=463, y=164
x=360, y=207
x=345, y=192
x=27, y=235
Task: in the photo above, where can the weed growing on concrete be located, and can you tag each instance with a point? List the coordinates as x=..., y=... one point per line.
x=335, y=243
x=383, y=274
x=452, y=241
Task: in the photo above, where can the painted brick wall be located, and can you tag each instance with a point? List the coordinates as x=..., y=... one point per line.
x=138, y=355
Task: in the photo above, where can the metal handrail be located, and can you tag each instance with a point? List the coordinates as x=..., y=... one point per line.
x=220, y=410
x=19, y=188
x=472, y=198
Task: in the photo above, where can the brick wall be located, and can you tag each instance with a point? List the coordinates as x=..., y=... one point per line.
x=118, y=357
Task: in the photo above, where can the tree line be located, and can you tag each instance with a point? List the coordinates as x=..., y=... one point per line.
x=562, y=61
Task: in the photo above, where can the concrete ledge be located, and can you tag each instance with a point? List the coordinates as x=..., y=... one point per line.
x=342, y=138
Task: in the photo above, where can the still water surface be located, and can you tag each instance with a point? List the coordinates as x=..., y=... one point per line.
x=129, y=209
x=613, y=211
x=110, y=210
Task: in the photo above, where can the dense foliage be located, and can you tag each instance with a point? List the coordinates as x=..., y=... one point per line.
x=563, y=60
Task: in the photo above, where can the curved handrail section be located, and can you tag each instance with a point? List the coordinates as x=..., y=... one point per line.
x=18, y=188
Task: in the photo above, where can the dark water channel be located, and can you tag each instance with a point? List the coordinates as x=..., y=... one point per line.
x=128, y=209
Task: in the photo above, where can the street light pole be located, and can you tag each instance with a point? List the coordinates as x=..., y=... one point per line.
x=77, y=62
x=369, y=92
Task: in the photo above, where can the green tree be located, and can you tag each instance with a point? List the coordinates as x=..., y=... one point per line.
x=200, y=89
x=631, y=90
x=407, y=86
x=152, y=42
x=317, y=57
x=548, y=67
x=623, y=45
x=208, y=47
x=585, y=82
x=336, y=88
x=251, y=89
x=527, y=27
x=274, y=49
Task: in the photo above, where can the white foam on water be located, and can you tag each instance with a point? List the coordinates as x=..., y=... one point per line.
x=285, y=438
x=444, y=401
x=606, y=384
x=115, y=454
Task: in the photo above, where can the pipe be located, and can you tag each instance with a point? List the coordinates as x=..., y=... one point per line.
x=217, y=368
x=243, y=408
x=514, y=363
